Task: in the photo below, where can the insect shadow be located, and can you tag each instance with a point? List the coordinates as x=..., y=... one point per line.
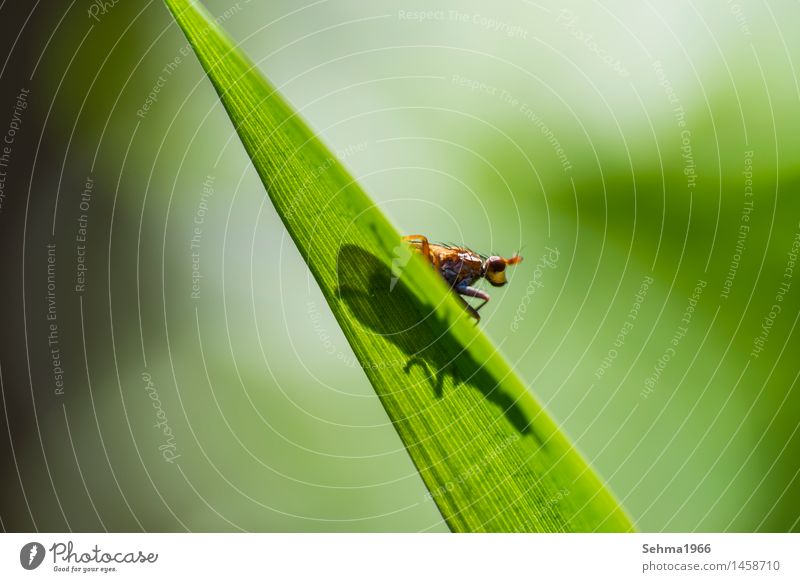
x=387, y=306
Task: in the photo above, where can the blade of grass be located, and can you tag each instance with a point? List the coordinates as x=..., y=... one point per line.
x=491, y=458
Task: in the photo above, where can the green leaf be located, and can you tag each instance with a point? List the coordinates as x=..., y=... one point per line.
x=491, y=457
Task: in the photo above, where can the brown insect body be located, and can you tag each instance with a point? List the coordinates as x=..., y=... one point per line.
x=461, y=267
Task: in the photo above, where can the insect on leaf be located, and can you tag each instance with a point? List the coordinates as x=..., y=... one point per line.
x=491, y=457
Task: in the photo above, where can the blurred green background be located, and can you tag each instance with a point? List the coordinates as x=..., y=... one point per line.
x=652, y=147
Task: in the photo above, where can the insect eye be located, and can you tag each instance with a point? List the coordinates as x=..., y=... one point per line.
x=497, y=265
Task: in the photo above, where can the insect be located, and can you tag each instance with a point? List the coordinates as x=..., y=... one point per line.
x=461, y=267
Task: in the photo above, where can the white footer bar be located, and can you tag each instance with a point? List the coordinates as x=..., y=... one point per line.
x=355, y=557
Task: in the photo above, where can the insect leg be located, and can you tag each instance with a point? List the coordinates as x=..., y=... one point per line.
x=421, y=239
x=422, y=242
x=473, y=292
x=468, y=291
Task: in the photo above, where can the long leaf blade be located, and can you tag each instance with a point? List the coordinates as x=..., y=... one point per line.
x=491, y=458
